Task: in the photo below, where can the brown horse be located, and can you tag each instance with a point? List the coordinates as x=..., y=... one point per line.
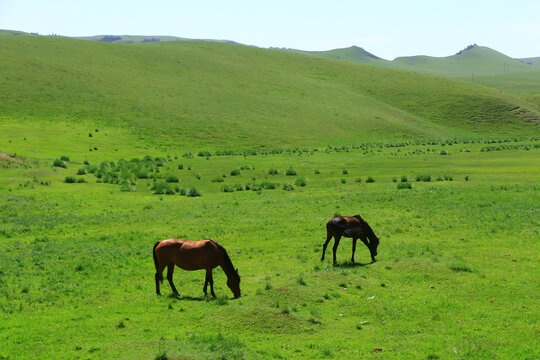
x=194, y=255
x=353, y=227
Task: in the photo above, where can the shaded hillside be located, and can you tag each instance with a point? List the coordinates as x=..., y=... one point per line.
x=225, y=95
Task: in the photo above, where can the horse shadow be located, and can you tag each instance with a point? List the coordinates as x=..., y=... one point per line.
x=187, y=298
x=192, y=298
x=350, y=265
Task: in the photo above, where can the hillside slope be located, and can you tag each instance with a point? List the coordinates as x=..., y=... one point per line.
x=222, y=95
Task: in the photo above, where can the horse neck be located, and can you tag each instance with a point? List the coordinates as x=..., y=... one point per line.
x=226, y=263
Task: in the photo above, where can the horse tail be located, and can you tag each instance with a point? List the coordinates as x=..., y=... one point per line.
x=160, y=276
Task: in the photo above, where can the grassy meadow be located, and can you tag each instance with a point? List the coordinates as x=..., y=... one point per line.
x=102, y=155
x=456, y=275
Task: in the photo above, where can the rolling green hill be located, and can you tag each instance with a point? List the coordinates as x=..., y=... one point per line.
x=219, y=95
x=352, y=54
x=477, y=64
x=473, y=61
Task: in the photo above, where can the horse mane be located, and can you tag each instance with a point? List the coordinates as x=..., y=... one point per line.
x=371, y=234
x=227, y=263
x=360, y=218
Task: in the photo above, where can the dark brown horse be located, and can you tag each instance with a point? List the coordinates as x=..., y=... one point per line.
x=353, y=227
x=194, y=255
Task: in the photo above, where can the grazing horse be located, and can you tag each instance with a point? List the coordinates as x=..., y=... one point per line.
x=353, y=227
x=194, y=255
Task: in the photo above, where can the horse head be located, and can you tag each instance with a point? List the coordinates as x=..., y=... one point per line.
x=233, y=282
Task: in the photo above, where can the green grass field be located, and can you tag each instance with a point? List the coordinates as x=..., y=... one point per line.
x=105, y=147
x=455, y=276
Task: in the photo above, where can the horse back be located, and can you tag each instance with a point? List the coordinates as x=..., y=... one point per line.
x=348, y=226
x=188, y=255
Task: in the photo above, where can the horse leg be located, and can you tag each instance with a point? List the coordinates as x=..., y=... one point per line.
x=209, y=279
x=336, y=244
x=205, y=283
x=366, y=242
x=328, y=238
x=353, y=249
x=170, y=272
x=159, y=278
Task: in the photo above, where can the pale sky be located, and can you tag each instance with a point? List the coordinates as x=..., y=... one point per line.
x=385, y=28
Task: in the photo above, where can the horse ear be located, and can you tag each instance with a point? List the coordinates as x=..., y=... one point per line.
x=236, y=270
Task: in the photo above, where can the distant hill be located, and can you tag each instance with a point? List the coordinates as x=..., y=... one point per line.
x=473, y=61
x=475, y=64
x=220, y=95
x=531, y=61
x=352, y=54
x=130, y=39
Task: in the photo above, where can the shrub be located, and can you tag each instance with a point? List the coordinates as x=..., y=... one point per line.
x=466, y=177
x=218, y=179
x=444, y=152
x=64, y=158
x=253, y=186
x=425, y=178
x=317, y=172
x=125, y=187
x=288, y=187
x=345, y=171
x=81, y=180
x=301, y=181
x=141, y=174
x=404, y=185
x=204, y=153
x=343, y=181
x=370, y=179
x=59, y=163
x=235, y=172
x=404, y=178
x=193, y=192
x=171, y=178
x=81, y=171
x=162, y=188
x=268, y=185
x=273, y=171
x=70, y=180
x=180, y=166
x=227, y=188
x=290, y=171
x=358, y=180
